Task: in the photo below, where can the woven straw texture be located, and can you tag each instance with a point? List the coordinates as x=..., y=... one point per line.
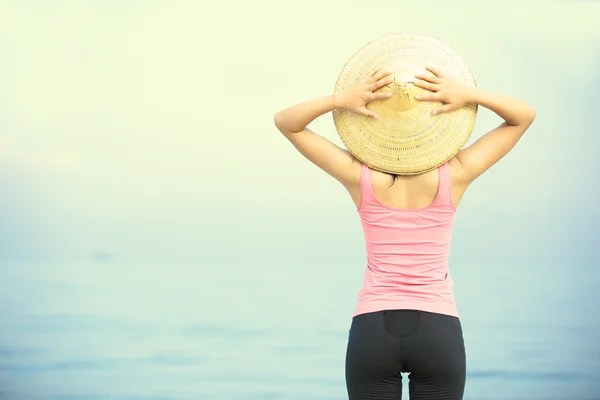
x=406, y=139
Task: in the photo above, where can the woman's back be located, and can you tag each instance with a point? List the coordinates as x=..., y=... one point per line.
x=408, y=242
x=406, y=192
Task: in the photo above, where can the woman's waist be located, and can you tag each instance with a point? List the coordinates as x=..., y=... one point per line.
x=430, y=290
x=397, y=272
x=374, y=304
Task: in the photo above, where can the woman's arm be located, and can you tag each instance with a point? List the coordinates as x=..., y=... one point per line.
x=494, y=145
x=337, y=162
x=296, y=118
x=491, y=147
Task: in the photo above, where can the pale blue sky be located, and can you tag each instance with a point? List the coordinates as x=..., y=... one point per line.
x=144, y=128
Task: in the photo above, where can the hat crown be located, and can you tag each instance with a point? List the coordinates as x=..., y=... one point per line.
x=403, y=98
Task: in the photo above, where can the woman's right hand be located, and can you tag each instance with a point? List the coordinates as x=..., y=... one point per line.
x=356, y=98
x=444, y=89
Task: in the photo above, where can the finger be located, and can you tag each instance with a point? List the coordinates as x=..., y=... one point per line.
x=380, y=83
x=381, y=96
x=368, y=113
x=428, y=78
x=368, y=77
x=428, y=97
x=380, y=74
x=435, y=71
x=374, y=71
x=425, y=85
x=443, y=109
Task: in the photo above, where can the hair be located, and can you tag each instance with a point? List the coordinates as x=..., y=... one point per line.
x=394, y=178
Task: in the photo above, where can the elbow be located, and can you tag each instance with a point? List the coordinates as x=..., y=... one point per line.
x=527, y=116
x=528, y=119
x=279, y=122
x=531, y=114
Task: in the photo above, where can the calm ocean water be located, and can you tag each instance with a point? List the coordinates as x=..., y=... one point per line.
x=116, y=331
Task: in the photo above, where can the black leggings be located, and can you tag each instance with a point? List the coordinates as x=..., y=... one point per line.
x=383, y=344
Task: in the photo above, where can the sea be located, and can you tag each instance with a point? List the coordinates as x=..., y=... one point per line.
x=271, y=329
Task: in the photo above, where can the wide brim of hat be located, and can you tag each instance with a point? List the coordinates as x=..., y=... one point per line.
x=406, y=139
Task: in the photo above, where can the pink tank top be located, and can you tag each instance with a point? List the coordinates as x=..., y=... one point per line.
x=407, y=252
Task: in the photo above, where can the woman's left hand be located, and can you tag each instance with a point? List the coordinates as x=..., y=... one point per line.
x=356, y=98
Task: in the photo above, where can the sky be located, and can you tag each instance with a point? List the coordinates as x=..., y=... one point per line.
x=143, y=130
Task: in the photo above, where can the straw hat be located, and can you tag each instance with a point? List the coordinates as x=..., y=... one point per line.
x=406, y=139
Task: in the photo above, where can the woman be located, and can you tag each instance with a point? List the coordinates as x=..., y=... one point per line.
x=406, y=318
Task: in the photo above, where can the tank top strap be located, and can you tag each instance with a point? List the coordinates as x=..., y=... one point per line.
x=445, y=186
x=366, y=186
